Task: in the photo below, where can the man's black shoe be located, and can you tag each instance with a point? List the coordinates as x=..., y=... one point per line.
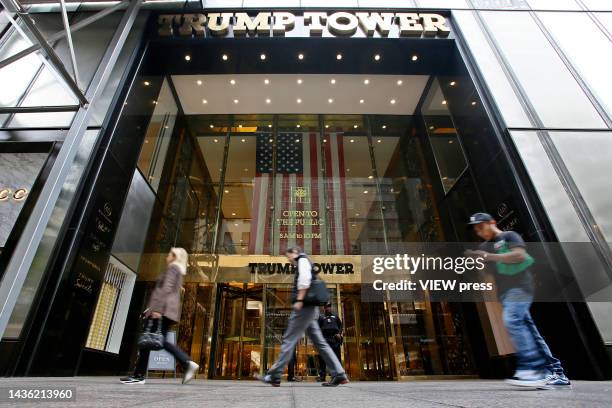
x=268, y=380
x=336, y=381
x=133, y=379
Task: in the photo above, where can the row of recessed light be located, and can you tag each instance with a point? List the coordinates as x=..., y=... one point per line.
x=299, y=81
x=299, y=100
x=300, y=56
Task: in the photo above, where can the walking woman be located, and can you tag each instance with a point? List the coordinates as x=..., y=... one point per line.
x=165, y=307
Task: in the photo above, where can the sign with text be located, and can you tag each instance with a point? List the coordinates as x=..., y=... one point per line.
x=18, y=172
x=307, y=24
x=161, y=360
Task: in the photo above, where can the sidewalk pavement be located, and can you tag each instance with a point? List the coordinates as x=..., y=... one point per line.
x=169, y=393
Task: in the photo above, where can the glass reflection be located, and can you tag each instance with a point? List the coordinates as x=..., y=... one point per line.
x=443, y=137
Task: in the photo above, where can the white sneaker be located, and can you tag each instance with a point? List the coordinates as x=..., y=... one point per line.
x=530, y=379
x=190, y=371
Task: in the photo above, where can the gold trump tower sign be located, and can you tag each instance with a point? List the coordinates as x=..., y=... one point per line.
x=308, y=23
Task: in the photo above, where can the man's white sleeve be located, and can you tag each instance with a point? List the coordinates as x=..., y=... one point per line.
x=304, y=274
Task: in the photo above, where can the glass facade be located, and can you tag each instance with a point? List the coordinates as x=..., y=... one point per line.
x=514, y=113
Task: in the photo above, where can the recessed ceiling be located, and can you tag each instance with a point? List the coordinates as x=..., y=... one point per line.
x=294, y=93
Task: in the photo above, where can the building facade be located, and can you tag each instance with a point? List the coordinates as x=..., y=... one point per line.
x=238, y=128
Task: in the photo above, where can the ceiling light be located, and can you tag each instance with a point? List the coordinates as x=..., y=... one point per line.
x=356, y=214
x=233, y=213
x=452, y=83
x=215, y=140
x=361, y=101
x=432, y=127
x=235, y=224
x=240, y=126
x=377, y=57
x=384, y=126
x=414, y=57
x=266, y=81
x=299, y=100
x=473, y=103
x=212, y=126
x=324, y=140
x=299, y=81
x=270, y=125
x=204, y=101
x=297, y=140
x=187, y=57
x=154, y=102
x=330, y=100
x=333, y=81
x=298, y=125
x=235, y=100
x=224, y=57
x=270, y=140
x=243, y=140
x=233, y=81
x=399, y=82
x=444, y=102
x=268, y=100
x=262, y=57
x=339, y=57
x=353, y=225
x=326, y=126
x=147, y=83
x=199, y=82
x=226, y=191
x=365, y=191
x=450, y=142
x=352, y=140
x=301, y=56
x=378, y=141
x=355, y=126
x=366, y=81
x=370, y=177
x=392, y=101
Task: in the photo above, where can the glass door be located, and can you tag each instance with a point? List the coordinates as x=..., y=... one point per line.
x=366, y=340
x=239, y=333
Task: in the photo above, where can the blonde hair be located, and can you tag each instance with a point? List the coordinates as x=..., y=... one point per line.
x=180, y=259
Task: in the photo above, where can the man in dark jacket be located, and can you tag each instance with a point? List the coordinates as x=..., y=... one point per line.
x=331, y=327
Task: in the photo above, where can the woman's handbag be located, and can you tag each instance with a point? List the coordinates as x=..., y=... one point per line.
x=149, y=339
x=317, y=294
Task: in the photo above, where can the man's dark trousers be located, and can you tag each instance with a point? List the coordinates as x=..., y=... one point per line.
x=335, y=346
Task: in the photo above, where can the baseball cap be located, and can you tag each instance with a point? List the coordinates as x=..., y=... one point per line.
x=477, y=218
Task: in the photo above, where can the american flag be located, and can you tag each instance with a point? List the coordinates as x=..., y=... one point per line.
x=299, y=170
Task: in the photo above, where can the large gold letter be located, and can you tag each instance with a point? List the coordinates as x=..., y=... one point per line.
x=434, y=24
x=191, y=23
x=164, y=22
x=342, y=23
x=315, y=20
x=283, y=21
x=409, y=25
x=219, y=28
x=371, y=21
x=259, y=25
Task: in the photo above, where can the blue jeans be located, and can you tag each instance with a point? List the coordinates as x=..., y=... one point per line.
x=532, y=352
